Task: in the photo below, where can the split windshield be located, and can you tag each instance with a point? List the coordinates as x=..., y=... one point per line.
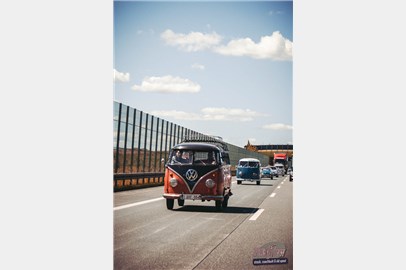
x=190, y=157
x=251, y=164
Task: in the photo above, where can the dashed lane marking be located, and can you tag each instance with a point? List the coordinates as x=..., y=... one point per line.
x=136, y=204
x=257, y=214
x=272, y=195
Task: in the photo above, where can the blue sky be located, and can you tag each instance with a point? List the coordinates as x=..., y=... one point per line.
x=220, y=68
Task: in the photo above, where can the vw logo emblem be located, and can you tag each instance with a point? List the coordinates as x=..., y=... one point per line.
x=191, y=175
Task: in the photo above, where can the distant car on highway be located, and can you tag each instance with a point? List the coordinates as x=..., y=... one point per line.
x=266, y=173
x=274, y=171
x=280, y=168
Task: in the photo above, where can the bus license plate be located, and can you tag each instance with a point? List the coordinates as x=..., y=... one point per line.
x=191, y=196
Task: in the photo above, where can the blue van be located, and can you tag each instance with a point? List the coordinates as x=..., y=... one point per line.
x=248, y=169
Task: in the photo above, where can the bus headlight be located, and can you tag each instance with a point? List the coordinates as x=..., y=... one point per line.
x=240, y=173
x=173, y=182
x=210, y=183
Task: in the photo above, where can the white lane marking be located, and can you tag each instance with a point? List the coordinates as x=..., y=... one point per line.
x=257, y=214
x=272, y=195
x=137, y=203
x=161, y=229
x=279, y=187
x=233, y=182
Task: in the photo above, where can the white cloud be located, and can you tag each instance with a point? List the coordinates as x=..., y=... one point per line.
x=178, y=115
x=120, y=77
x=278, y=126
x=167, y=84
x=274, y=47
x=198, y=66
x=211, y=114
x=192, y=42
x=228, y=114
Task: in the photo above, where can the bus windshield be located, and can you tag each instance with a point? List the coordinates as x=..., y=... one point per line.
x=251, y=164
x=189, y=157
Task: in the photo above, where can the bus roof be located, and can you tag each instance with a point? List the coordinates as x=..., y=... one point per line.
x=249, y=160
x=196, y=146
x=219, y=143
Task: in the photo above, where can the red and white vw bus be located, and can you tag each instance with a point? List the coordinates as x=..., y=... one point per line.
x=198, y=170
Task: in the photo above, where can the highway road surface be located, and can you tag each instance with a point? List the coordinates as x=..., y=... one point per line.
x=255, y=231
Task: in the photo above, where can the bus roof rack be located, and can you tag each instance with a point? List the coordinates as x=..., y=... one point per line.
x=206, y=139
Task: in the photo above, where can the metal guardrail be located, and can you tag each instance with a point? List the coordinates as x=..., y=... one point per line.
x=127, y=181
x=123, y=176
